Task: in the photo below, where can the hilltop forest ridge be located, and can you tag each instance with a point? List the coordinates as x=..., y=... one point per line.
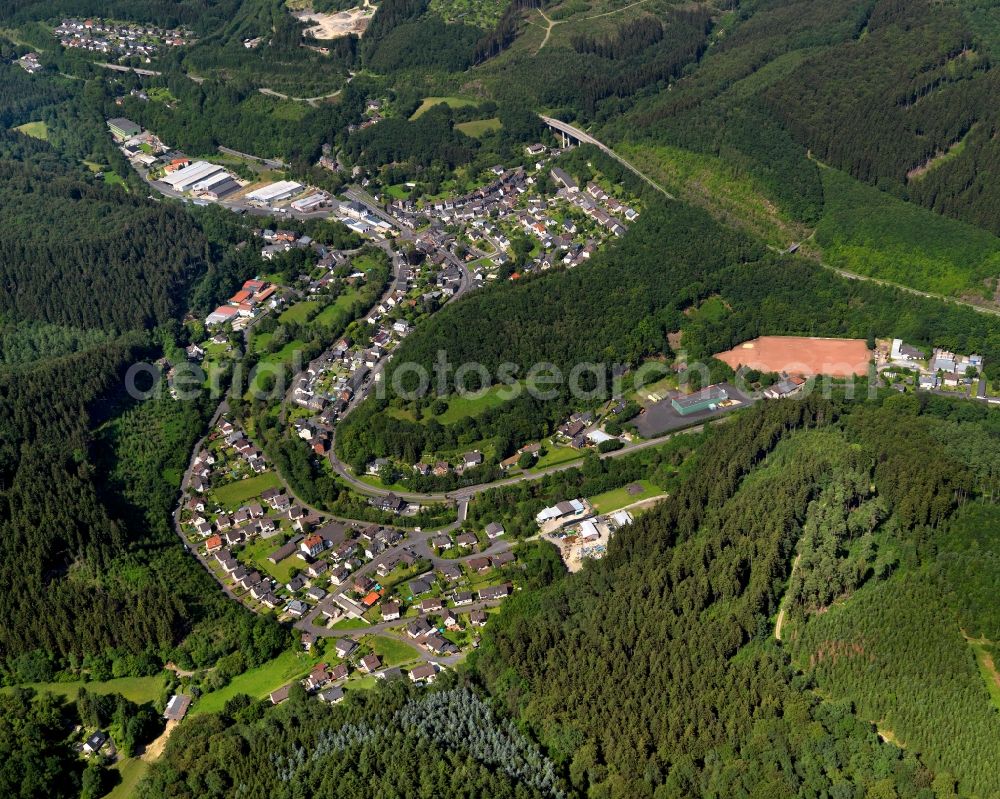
x=438, y=398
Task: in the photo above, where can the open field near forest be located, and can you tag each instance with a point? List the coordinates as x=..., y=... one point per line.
x=873, y=233
x=235, y=494
x=258, y=682
x=37, y=130
x=452, y=102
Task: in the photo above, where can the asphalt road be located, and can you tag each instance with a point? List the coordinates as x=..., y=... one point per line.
x=465, y=494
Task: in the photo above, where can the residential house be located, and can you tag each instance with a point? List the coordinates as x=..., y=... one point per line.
x=332, y=695
x=344, y=647
x=260, y=591
x=418, y=628
x=297, y=608
x=317, y=569
x=467, y=540
x=96, y=742
x=317, y=677
x=430, y=605
x=312, y=545
x=424, y=673
x=495, y=592
x=480, y=565
x=280, y=695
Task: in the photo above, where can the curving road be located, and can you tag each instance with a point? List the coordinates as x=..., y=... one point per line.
x=468, y=492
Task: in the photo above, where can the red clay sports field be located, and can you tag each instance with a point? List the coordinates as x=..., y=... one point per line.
x=800, y=355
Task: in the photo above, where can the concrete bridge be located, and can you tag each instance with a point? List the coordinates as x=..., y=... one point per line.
x=569, y=133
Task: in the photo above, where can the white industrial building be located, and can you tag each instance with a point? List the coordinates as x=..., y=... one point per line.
x=274, y=192
x=571, y=508
x=311, y=203
x=217, y=186
x=184, y=179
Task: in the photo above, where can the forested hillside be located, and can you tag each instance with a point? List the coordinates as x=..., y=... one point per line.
x=801, y=72
x=88, y=272
x=914, y=613
x=446, y=743
x=672, y=629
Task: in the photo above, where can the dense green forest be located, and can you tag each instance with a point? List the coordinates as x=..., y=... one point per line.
x=783, y=83
x=394, y=741
x=914, y=610
x=88, y=478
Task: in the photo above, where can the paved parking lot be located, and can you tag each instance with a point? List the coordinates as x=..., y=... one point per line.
x=661, y=417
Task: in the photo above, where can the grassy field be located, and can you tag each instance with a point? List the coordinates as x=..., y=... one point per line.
x=131, y=771
x=711, y=310
x=349, y=624
x=37, y=130
x=478, y=127
x=235, y=494
x=869, y=232
x=298, y=312
x=283, y=356
x=452, y=102
x=710, y=183
x=136, y=689
x=258, y=682
x=160, y=94
x=257, y=552
x=620, y=497
x=399, y=191
x=375, y=482
x=463, y=406
x=393, y=651
x=332, y=312
x=259, y=341
x=555, y=456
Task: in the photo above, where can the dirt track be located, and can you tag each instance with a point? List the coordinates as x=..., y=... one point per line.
x=156, y=747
